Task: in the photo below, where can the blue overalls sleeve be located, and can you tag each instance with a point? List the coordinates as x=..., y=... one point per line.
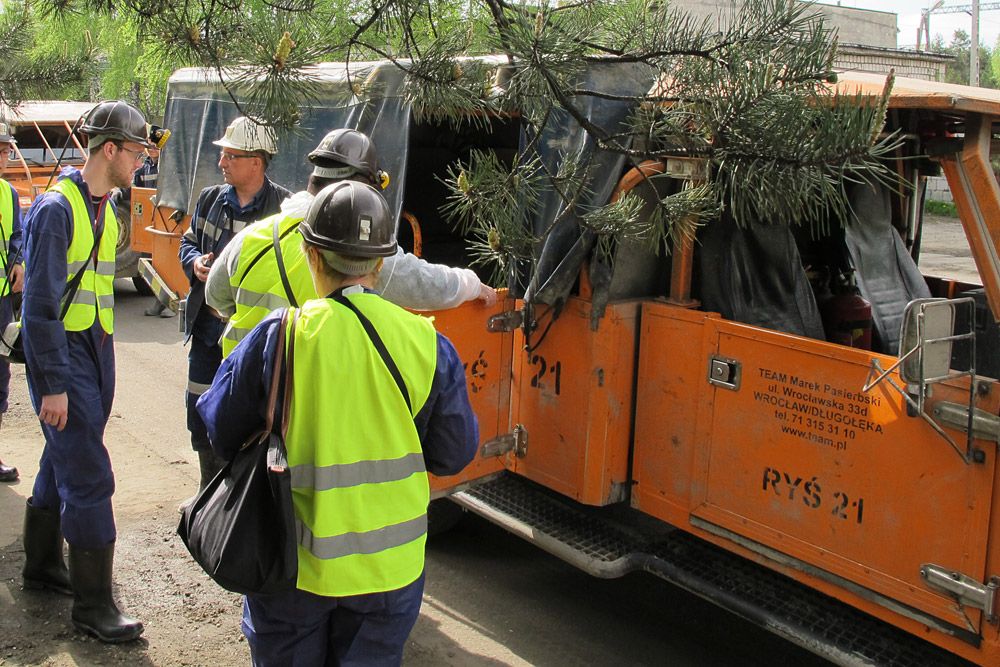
x=234, y=406
x=15, y=234
x=50, y=230
x=190, y=248
x=446, y=424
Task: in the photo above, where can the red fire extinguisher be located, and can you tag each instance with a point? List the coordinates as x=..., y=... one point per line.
x=847, y=316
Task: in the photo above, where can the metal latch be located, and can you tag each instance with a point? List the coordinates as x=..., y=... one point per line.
x=964, y=589
x=505, y=321
x=516, y=442
x=724, y=372
x=984, y=425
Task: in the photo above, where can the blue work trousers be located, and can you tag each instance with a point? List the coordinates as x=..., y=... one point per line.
x=204, y=360
x=74, y=473
x=299, y=629
x=6, y=317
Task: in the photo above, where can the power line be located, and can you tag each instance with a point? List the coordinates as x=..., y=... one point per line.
x=963, y=9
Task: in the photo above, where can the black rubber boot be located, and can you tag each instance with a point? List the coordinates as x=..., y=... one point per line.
x=210, y=465
x=44, y=567
x=94, y=608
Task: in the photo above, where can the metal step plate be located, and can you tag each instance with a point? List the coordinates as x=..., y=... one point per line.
x=600, y=542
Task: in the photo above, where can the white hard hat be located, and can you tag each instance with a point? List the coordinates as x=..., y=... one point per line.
x=6, y=134
x=245, y=135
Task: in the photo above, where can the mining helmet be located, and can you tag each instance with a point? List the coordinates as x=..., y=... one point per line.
x=115, y=119
x=6, y=134
x=245, y=135
x=158, y=136
x=350, y=148
x=350, y=218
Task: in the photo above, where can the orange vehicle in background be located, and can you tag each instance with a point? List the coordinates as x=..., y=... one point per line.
x=43, y=131
x=722, y=424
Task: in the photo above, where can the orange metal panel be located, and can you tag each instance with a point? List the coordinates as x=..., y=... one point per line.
x=142, y=217
x=487, y=358
x=798, y=461
x=166, y=261
x=977, y=197
x=574, y=395
x=670, y=392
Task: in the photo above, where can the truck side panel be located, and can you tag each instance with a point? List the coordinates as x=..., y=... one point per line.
x=793, y=460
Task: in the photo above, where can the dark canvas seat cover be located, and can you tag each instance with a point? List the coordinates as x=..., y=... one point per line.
x=754, y=275
x=886, y=273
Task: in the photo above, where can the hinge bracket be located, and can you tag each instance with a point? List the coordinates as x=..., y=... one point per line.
x=965, y=590
x=516, y=442
x=509, y=320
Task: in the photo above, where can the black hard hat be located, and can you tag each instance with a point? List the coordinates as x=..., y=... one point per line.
x=115, y=119
x=158, y=136
x=348, y=147
x=350, y=218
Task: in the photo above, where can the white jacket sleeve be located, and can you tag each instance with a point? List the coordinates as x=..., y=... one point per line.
x=410, y=282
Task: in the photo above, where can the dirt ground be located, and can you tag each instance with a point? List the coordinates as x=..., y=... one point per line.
x=191, y=621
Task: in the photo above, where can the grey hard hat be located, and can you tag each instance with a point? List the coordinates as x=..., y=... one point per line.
x=350, y=218
x=6, y=134
x=347, y=147
x=116, y=119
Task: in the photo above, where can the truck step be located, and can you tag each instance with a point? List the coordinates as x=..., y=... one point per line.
x=599, y=542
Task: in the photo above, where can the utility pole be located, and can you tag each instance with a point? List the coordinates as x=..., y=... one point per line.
x=973, y=10
x=974, y=53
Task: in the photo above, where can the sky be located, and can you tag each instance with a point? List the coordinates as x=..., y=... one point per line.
x=908, y=12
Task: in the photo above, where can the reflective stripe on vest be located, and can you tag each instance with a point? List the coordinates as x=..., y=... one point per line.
x=257, y=285
x=359, y=483
x=7, y=224
x=96, y=295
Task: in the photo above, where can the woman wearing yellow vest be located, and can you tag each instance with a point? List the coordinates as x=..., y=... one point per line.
x=11, y=270
x=360, y=443
x=71, y=235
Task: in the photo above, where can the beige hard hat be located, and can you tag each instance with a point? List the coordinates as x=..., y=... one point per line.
x=245, y=135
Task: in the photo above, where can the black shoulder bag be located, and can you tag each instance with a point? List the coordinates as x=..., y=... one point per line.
x=241, y=526
x=11, y=345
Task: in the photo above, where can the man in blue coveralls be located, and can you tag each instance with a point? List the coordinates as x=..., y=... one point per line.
x=68, y=322
x=12, y=276
x=222, y=211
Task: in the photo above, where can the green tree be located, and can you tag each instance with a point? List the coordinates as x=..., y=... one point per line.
x=749, y=100
x=957, y=71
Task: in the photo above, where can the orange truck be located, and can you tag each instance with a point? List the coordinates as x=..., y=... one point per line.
x=721, y=423
x=46, y=142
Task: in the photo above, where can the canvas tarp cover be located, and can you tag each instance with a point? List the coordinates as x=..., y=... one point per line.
x=198, y=110
x=566, y=248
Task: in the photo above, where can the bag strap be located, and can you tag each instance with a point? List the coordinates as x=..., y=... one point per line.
x=289, y=367
x=281, y=267
x=380, y=346
x=74, y=285
x=279, y=360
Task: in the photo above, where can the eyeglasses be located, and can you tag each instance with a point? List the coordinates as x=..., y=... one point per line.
x=140, y=155
x=228, y=157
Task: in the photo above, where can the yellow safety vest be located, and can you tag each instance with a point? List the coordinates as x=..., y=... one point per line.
x=257, y=285
x=7, y=224
x=359, y=484
x=96, y=294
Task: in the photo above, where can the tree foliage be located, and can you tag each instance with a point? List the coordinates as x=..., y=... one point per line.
x=747, y=96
